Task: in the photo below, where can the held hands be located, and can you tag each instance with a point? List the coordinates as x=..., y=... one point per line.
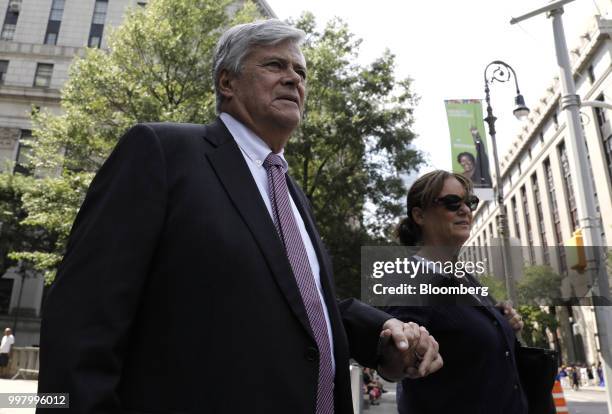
x=407, y=351
x=514, y=319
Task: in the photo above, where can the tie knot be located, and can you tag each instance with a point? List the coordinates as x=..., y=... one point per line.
x=272, y=160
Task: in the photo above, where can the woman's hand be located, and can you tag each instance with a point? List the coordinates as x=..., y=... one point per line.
x=512, y=316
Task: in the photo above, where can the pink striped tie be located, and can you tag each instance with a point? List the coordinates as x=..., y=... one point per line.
x=289, y=233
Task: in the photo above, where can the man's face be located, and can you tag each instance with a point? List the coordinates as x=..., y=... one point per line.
x=269, y=92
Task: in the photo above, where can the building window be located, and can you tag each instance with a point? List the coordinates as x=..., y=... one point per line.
x=517, y=229
x=567, y=183
x=591, y=74
x=8, y=32
x=55, y=20
x=485, y=243
x=555, y=118
x=608, y=151
x=3, y=70
x=10, y=21
x=550, y=189
x=540, y=217
x=99, y=15
x=44, y=71
x=51, y=38
x=24, y=154
x=57, y=10
x=97, y=23
x=527, y=224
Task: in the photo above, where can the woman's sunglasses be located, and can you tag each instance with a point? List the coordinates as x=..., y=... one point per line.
x=452, y=202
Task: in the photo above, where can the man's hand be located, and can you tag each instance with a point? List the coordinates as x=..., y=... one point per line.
x=407, y=351
x=512, y=316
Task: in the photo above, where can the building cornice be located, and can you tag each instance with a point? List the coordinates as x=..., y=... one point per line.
x=598, y=32
x=40, y=51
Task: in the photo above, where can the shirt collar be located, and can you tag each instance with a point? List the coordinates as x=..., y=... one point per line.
x=251, y=145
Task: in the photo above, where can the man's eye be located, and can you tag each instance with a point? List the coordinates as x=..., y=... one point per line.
x=274, y=65
x=301, y=73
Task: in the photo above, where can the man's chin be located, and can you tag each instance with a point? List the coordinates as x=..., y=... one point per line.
x=288, y=120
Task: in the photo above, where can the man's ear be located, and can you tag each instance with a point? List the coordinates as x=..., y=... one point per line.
x=418, y=215
x=225, y=84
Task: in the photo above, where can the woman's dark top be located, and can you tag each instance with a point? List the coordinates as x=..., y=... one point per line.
x=477, y=344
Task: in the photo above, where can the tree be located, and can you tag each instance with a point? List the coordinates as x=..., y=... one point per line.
x=158, y=68
x=536, y=292
x=353, y=145
x=347, y=154
x=15, y=234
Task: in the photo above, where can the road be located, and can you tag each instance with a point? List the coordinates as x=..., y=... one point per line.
x=589, y=400
x=586, y=401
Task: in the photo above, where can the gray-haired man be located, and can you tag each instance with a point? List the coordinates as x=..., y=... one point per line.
x=195, y=280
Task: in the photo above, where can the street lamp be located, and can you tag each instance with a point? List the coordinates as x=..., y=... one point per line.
x=498, y=71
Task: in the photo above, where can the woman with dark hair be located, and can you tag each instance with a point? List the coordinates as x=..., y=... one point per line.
x=476, y=168
x=477, y=336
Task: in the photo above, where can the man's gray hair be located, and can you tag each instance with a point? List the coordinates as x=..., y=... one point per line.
x=236, y=43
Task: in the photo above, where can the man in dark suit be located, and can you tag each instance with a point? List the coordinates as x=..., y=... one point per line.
x=195, y=280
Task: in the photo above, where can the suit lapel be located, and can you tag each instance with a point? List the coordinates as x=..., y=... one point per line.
x=231, y=169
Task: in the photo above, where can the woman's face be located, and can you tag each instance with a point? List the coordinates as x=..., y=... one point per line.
x=441, y=226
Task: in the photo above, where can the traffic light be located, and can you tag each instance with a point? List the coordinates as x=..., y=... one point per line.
x=574, y=252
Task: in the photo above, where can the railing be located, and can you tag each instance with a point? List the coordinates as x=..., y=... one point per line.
x=24, y=359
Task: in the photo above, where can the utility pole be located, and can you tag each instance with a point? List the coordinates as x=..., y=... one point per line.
x=587, y=214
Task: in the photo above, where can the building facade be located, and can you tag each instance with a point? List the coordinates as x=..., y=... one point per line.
x=538, y=193
x=38, y=41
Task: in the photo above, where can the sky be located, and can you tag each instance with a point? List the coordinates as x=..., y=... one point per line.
x=445, y=45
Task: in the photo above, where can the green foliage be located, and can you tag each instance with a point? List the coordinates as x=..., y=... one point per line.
x=539, y=286
x=535, y=290
x=352, y=145
x=348, y=153
x=497, y=287
x=537, y=320
x=15, y=234
x=158, y=68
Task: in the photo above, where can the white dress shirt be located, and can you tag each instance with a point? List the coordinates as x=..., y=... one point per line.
x=255, y=151
x=6, y=343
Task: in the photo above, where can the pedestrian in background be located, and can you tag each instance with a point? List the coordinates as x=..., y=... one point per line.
x=575, y=378
x=600, y=374
x=5, y=349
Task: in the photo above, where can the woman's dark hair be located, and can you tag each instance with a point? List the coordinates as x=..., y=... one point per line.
x=466, y=154
x=422, y=194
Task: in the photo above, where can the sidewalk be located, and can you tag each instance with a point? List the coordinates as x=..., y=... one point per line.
x=15, y=386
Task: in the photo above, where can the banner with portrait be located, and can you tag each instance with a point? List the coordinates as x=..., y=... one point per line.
x=468, y=144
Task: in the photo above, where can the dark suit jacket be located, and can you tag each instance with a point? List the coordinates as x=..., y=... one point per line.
x=176, y=296
x=478, y=346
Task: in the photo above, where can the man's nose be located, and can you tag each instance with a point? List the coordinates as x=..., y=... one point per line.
x=292, y=77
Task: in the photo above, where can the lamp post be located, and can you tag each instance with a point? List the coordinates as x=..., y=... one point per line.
x=498, y=71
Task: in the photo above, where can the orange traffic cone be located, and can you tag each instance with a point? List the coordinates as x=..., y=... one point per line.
x=560, y=404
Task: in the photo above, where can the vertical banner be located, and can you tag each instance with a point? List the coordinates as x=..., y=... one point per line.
x=468, y=143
